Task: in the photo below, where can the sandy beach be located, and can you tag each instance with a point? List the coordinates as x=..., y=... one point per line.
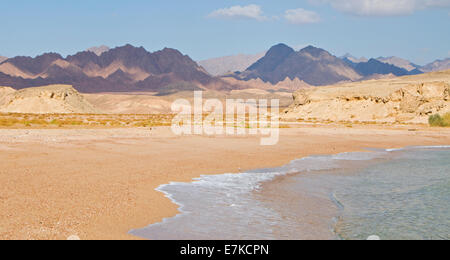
x=100, y=183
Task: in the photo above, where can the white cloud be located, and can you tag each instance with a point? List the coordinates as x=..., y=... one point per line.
x=383, y=7
x=301, y=16
x=249, y=11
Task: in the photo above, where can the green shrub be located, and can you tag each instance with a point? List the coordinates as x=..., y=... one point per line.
x=447, y=119
x=438, y=120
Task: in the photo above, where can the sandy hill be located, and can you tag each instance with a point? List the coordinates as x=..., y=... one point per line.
x=148, y=103
x=4, y=94
x=409, y=99
x=43, y=100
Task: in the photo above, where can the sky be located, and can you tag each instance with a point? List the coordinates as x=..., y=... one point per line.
x=417, y=30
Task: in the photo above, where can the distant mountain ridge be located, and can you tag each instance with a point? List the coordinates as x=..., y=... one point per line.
x=229, y=64
x=318, y=67
x=412, y=68
x=122, y=69
x=129, y=69
x=376, y=67
x=313, y=65
x=399, y=62
x=353, y=59
x=99, y=50
x=396, y=61
x=437, y=65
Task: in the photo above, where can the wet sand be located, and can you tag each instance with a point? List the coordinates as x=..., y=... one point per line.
x=99, y=184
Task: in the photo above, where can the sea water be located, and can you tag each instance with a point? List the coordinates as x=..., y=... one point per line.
x=407, y=197
x=394, y=194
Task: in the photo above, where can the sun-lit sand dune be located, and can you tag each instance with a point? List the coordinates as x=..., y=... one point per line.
x=43, y=100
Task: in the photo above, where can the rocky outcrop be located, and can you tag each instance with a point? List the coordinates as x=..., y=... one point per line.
x=44, y=100
x=405, y=100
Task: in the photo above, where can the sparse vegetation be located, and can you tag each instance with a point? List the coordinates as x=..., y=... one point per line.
x=440, y=121
x=13, y=120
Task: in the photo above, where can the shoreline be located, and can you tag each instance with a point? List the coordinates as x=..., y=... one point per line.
x=271, y=190
x=115, y=172
x=351, y=168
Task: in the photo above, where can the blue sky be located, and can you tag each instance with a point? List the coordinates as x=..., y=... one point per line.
x=413, y=29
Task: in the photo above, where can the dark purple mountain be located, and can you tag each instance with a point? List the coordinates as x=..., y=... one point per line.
x=313, y=65
x=122, y=69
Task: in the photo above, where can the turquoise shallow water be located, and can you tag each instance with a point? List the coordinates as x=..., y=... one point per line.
x=406, y=197
x=394, y=194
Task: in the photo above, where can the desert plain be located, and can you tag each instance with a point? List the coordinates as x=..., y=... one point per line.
x=100, y=183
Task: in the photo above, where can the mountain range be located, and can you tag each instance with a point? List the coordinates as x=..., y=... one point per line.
x=313, y=65
x=121, y=69
x=353, y=59
x=437, y=65
x=99, y=50
x=229, y=64
x=399, y=62
x=376, y=67
x=134, y=69
x=318, y=67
